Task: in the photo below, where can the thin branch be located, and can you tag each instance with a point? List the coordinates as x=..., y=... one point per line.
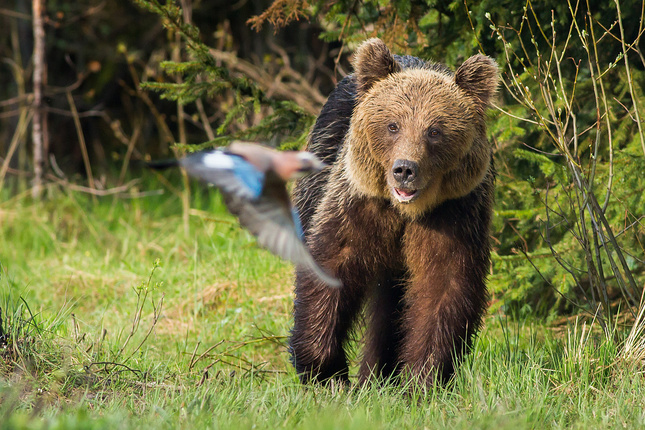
x=92, y=191
x=632, y=93
x=25, y=117
x=14, y=14
x=81, y=140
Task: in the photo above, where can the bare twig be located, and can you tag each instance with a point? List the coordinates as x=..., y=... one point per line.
x=14, y=14
x=92, y=191
x=128, y=153
x=81, y=140
x=142, y=295
x=114, y=364
x=155, y=319
x=203, y=354
x=298, y=90
x=176, y=56
x=629, y=76
x=25, y=117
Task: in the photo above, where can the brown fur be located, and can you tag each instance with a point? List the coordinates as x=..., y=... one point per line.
x=421, y=264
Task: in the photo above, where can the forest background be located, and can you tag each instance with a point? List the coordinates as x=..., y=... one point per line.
x=566, y=123
x=90, y=88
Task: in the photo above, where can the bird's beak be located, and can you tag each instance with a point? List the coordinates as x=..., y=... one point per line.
x=317, y=165
x=309, y=163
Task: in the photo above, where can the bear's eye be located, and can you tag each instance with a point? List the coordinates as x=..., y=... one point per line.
x=434, y=132
x=393, y=127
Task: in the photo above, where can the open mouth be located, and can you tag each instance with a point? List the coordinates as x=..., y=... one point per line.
x=405, y=196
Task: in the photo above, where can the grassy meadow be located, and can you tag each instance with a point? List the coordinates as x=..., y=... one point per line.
x=115, y=316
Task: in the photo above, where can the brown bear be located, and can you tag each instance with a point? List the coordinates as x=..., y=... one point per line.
x=401, y=218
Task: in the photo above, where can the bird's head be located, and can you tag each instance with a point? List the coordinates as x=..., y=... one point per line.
x=293, y=164
x=286, y=164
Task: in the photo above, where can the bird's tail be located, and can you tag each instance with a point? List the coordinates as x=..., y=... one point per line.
x=162, y=164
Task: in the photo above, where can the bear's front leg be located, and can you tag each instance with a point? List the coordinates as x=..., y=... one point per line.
x=322, y=318
x=383, y=332
x=447, y=258
x=349, y=240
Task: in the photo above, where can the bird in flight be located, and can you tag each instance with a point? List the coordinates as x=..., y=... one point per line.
x=252, y=179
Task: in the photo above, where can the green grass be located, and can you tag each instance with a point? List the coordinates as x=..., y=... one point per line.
x=97, y=335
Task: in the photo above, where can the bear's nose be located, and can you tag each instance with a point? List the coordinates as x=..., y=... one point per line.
x=405, y=171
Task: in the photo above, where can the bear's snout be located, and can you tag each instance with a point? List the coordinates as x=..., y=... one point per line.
x=405, y=171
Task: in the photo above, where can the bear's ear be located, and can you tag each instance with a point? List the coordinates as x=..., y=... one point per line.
x=479, y=76
x=373, y=61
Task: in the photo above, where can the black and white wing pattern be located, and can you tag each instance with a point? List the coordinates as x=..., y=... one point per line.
x=230, y=173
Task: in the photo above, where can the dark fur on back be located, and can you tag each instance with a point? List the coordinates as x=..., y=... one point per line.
x=325, y=140
x=420, y=266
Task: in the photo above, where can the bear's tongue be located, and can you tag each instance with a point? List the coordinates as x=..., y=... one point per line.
x=405, y=196
x=405, y=193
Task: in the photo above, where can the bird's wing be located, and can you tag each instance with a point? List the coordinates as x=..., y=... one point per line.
x=271, y=220
x=230, y=173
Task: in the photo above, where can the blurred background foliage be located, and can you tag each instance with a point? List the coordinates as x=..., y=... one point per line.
x=146, y=79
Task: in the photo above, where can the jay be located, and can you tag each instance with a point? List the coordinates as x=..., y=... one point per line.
x=252, y=178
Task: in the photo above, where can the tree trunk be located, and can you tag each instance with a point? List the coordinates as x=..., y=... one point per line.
x=39, y=126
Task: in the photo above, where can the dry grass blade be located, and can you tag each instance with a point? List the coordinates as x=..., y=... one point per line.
x=633, y=350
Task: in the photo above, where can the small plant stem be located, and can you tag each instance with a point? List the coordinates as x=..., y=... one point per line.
x=629, y=76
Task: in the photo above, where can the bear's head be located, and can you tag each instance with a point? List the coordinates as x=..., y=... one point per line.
x=418, y=135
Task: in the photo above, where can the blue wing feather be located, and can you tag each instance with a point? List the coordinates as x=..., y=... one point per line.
x=248, y=175
x=297, y=224
x=229, y=172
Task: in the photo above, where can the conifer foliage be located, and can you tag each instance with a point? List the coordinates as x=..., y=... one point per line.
x=203, y=77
